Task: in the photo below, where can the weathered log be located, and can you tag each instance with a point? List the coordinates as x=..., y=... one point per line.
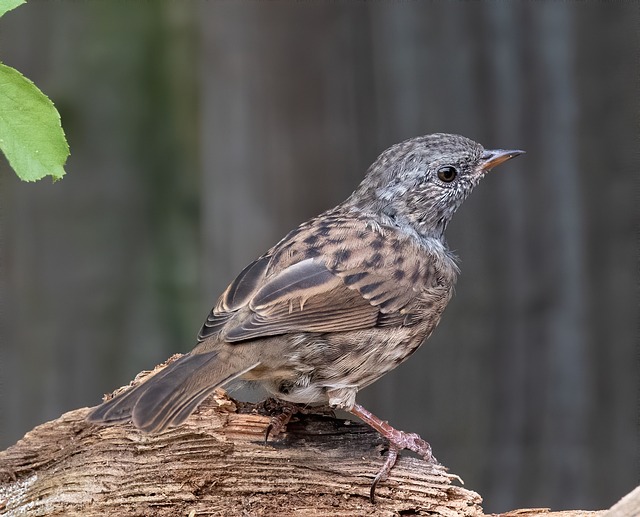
x=218, y=464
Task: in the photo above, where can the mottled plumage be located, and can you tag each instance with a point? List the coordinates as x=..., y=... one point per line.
x=337, y=303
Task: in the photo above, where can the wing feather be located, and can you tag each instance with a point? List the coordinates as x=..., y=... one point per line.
x=305, y=297
x=347, y=289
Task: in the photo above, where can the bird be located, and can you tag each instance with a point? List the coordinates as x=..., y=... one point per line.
x=340, y=301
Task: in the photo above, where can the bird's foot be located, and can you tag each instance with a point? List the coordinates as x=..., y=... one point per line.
x=281, y=413
x=401, y=440
x=280, y=420
x=398, y=440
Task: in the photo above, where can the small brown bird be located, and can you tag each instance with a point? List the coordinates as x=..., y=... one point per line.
x=340, y=301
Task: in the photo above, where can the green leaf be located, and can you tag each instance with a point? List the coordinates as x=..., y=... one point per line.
x=8, y=5
x=31, y=136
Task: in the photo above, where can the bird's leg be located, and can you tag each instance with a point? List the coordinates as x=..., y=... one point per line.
x=281, y=412
x=398, y=440
x=279, y=420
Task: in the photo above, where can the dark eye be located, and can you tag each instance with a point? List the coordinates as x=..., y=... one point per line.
x=447, y=173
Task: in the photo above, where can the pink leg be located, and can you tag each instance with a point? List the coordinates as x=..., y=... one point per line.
x=281, y=412
x=398, y=440
x=284, y=411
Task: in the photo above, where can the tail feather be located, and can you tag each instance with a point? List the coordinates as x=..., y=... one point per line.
x=189, y=407
x=170, y=396
x=120, y=407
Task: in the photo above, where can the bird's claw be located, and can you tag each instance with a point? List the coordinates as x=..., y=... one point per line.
x=279, y=422
x=383, y=474
x=413, y=442
x=401, y=440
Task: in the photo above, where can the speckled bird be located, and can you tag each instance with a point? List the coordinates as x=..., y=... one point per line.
x=343, y=299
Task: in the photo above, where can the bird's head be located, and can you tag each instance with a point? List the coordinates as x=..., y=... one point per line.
x=421, y=182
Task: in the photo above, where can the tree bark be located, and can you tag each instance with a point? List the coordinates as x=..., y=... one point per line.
x=217, y=463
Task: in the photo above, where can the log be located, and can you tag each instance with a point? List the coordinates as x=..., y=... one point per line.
x=218, y=464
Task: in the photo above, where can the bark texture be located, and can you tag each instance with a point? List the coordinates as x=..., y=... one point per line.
x=218, y=464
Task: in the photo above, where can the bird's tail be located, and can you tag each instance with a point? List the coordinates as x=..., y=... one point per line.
x=170, y=396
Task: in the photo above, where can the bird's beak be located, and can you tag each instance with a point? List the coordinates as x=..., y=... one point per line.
x=494, y=157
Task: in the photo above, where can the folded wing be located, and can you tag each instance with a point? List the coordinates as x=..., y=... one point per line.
x=304, y=297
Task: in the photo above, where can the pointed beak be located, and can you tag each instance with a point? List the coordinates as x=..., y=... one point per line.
x=494, y=157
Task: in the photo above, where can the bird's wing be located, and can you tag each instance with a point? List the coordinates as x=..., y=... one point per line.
x=304, y=297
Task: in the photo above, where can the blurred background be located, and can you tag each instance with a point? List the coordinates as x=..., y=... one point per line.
x=201, y=132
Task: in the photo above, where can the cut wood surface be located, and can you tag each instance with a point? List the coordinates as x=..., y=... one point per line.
x=217, y=463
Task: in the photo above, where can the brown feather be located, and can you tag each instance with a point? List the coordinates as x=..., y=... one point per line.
x=343, y=290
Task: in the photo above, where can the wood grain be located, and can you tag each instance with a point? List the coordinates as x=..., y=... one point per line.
x=218, y=464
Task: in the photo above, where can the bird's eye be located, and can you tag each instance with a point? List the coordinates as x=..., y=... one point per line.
x=447, y=173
